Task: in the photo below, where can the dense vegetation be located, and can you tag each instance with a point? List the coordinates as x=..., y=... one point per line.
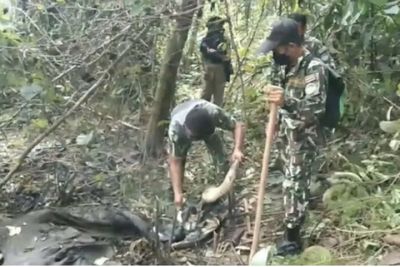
x=86, y=88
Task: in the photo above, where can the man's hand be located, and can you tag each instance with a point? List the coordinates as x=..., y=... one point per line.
x=238, y=134
x=237, y=155
x=178, y=200
x=275, y=94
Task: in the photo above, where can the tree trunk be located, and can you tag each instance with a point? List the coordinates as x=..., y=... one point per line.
x=192, y=41
x=167, y=79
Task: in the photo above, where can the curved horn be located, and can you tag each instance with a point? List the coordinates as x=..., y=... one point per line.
x=214, y=193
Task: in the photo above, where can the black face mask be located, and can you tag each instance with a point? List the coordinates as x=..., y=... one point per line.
x=281, y=59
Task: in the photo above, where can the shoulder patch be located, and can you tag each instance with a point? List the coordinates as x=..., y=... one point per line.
x=312, y=88
x=311, y=78
x=314, y=62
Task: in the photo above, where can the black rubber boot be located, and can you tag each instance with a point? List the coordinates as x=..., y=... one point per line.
x=291, y=243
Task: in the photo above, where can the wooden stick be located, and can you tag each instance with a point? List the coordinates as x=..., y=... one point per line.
x=246, y=210
x=264, y=174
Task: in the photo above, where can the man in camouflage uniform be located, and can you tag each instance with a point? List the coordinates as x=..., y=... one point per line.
x=215, y=51
x=335, y=72
x=301, y=93
x=196, y=120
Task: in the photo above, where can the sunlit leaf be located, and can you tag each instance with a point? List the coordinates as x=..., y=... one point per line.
x=395, y=197
x=40, y=123
x=393, y=10
x=394, y=145
x=40, y=7
x=99, y=178
x=350, y=9
x=84, y=139
x=357, y=16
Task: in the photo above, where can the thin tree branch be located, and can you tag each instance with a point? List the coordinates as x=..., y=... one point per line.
x=116, y=37
x=237, y=57
x=84, y=97
x=124, y=123
x=242, y=61
x=391, y=103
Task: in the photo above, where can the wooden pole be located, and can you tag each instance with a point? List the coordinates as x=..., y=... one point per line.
x=270, y=132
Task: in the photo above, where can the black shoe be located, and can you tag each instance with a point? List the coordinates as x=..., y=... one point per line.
x=291, y=243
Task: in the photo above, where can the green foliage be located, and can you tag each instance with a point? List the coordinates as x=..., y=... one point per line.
x=364, y=194
x=140, y=8
x=369, y=25
x=9, y=38
x=39, y=124
x=314, y=255
x=362, y=35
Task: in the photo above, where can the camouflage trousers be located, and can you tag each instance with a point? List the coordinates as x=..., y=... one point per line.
x=298, y=148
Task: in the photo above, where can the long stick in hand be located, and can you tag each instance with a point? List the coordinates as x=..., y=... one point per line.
x=270, y=132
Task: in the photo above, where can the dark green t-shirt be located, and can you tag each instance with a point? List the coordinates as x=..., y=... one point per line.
x=178, y=139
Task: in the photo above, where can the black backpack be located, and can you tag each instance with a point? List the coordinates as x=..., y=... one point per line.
x=335, y=89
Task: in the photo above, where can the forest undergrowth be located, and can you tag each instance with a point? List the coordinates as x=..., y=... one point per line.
x=96, y=156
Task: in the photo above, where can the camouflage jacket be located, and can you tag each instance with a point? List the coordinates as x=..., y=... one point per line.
x=319, y=50
x=178, y=140
x=305, y=92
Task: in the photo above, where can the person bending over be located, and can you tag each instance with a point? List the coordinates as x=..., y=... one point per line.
x=196, y=120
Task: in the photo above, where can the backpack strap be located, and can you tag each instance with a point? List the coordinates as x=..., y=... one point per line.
x=305, y=62
x=310, y=57
x=334, y=91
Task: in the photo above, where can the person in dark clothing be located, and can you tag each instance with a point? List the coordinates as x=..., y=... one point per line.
x=215, y=51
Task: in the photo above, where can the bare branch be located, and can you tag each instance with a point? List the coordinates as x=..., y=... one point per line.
x=83, y=98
